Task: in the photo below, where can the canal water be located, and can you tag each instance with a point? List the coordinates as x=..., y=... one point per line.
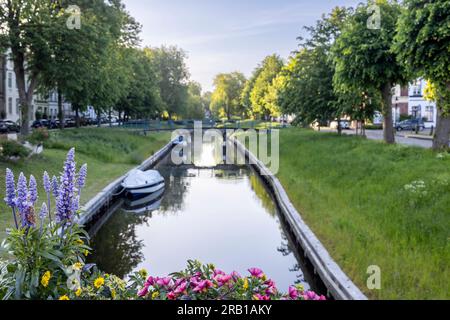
x=222, y=215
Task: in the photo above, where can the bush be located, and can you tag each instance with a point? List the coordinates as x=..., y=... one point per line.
x=10, y=149
x=373, y=127
x=39, y=136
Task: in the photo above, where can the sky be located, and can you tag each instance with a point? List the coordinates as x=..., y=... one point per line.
x=227, y=35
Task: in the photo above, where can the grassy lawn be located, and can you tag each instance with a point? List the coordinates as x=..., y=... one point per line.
x=108, y=152
x=352, y=193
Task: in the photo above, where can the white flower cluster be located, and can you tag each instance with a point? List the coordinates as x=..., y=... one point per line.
x=417, y=188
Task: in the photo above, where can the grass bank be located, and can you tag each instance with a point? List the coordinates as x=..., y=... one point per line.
x=108, y=152
x=374, y=204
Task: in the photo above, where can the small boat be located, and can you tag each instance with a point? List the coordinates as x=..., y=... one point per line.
x=140, y=183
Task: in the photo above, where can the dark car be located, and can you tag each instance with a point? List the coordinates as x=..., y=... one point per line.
x=410, y=125
x=40, y=124
x=12, y=126
x=3, y=127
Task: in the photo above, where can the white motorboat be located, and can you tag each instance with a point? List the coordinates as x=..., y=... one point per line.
x=141, y=183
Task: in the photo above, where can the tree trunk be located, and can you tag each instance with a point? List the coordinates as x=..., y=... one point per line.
x=442, y=133
x=77, y=115
x=388, y=128
x=110, y=117
x=60, y=111
x=339, y=127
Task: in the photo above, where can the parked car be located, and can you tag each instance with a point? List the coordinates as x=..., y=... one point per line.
x=12, y=126
x=40, y=124
x=3, y=127
x=345, y=125
x=411, y=124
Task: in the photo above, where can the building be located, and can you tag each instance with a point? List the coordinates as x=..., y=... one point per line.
x=419, y=108
x=400, y=102
x=44, y=106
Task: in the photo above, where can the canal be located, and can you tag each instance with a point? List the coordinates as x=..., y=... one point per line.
x=216, y=214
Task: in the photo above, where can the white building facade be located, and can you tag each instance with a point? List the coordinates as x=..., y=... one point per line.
x=418, y=107
x=44, y=106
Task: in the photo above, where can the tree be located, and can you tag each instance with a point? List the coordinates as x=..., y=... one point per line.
x=308, y=89
x=364, y=59
x=22, y=25
x=270, y=68
x=173, y=76
x=422, y=44
x=195, y=108
x=141, y=98
x=72, y=54
x=226, y=98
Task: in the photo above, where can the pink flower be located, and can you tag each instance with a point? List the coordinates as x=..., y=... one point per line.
x=143, y=292
x=150, y=281
x=217, y=272
x=310, y=295
x=195, y=281
x=181, y=287
x=203, y=286
x=171, y=296
x=260, y=297
x=163, y=282
x=293, y=293
x=222, y=279
x=255, y=272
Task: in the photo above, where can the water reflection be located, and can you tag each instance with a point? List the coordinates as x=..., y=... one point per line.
x=225, y=217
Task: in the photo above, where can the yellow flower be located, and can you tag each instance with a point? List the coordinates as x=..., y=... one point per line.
x=77, y=266
x=45, y=279
x=113, y=293
x=155, y=295
x=245, y=284
x=64, y=297
x=99, y=282
x=143, y=273
x=86, y=252
x=78, y=292
x=80, y=242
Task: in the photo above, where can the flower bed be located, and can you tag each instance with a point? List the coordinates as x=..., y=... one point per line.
x=48, y=252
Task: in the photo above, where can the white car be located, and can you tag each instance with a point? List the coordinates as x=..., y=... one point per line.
x=345, y=125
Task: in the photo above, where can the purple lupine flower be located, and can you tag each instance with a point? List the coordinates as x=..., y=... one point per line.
x=22, y=195
x=55, y=186
x=76, y=204
x=32, y=189
x=64, y=205
x=47, y=183
x=10, y=198
x=44, y=211
x=82, y=177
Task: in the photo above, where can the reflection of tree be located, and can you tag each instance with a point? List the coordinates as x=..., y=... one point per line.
x=285, y=250
x=261, y=192
x=176, y=186
x=115, y=247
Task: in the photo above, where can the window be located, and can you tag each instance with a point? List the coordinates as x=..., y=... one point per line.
x=429, y=113
x=9, y=80
x=10, y=106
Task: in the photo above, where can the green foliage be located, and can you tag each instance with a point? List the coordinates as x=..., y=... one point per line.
x=170, y=63
x=225, y=100
x=10, y=148
x=422, y=39
x=39, y=136
x=263, y=94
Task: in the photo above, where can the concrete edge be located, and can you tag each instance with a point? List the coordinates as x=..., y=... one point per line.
x=105, y=196
x=337, y=282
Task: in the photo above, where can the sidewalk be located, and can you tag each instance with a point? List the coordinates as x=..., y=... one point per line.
x=405, y=137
